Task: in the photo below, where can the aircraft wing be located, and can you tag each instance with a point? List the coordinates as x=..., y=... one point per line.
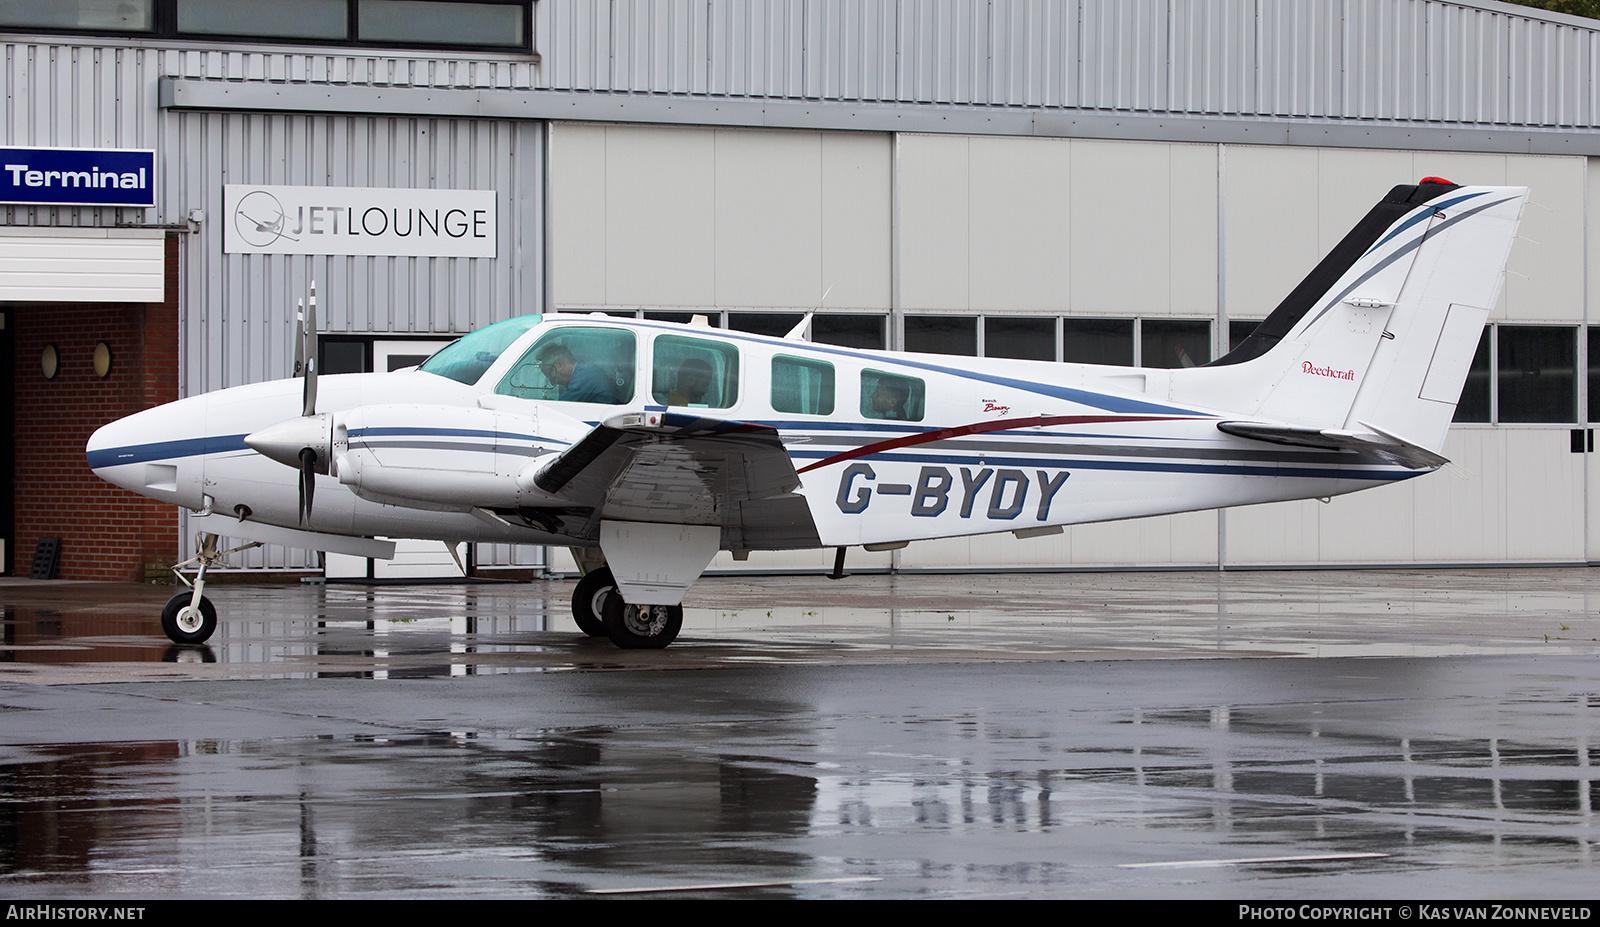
x=672, y=468
x=1376, y=443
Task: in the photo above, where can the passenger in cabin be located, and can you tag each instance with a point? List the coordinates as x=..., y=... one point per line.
x=888, y=398
x=577, y=382
x=694, y=381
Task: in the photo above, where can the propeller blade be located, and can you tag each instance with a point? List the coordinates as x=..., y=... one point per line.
x=299, y=337
x=308, y=481
x=310, y=407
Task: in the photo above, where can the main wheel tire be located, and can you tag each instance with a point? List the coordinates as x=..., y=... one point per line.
x=589, y=598
x=183, y=624
x=641, y=627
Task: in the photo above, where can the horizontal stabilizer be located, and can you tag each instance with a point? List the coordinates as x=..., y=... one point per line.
x=1371, y=444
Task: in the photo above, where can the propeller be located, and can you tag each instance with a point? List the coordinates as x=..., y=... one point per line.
x=308, y=348
x=304, y=443
x=308, y=481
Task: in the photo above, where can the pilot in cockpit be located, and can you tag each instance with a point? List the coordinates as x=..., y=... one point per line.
x=577, y=382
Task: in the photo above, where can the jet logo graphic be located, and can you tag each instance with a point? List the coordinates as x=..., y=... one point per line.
x=259, y=219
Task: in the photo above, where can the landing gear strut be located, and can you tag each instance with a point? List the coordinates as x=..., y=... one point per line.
x=189, y=617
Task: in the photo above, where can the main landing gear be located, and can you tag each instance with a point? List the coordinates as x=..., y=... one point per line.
x=600, y=611
x=189, y=617
x=588, y=600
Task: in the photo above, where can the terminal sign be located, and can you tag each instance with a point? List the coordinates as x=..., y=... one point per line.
x=78, y=176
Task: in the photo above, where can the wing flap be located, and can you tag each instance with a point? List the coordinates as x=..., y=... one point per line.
x=673, y=468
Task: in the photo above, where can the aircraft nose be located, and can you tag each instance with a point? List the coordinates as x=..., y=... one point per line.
x=143, y=452
x=114, y=446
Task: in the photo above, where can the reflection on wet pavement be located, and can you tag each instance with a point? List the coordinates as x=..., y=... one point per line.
x=88, y=632
x=350, y=743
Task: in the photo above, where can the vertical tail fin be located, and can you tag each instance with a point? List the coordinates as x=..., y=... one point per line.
x=1378, y=339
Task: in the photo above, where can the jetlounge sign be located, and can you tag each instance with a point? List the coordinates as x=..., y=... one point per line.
x=359, y=220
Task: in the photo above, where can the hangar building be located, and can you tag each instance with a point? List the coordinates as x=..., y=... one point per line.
x=1119, y=181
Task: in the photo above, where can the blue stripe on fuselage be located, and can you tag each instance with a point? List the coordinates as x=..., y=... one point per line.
x=164, y=450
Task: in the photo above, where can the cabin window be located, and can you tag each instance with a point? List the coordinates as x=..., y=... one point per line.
x=575, y=365
x=891, y=397
x=802, y=386
x=695, y=373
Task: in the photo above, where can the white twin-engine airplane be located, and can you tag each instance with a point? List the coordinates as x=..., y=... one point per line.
x=647, y=447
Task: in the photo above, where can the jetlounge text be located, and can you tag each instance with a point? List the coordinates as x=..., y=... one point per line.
x=360, y=220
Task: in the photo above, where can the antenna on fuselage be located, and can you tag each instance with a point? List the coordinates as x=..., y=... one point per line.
x=802, y=329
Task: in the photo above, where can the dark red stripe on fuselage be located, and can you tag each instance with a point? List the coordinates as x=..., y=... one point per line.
x=1006, y=424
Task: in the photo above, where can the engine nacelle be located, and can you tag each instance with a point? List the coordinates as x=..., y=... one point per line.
x=443, y=457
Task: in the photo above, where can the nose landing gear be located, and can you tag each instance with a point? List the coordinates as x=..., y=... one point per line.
x=189, y=617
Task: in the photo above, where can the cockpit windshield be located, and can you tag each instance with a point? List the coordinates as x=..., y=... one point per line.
x=465, y=359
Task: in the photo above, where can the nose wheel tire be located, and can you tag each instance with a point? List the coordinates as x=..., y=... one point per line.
x=641, y=627
x=185, y=624
x=589, y=598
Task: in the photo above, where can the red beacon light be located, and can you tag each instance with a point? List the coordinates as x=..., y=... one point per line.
x=1438, y=180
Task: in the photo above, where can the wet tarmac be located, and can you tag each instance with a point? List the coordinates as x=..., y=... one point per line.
x=1071, y=735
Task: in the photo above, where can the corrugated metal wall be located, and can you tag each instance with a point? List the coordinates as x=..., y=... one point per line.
x=240, y=308
x=1401, y=60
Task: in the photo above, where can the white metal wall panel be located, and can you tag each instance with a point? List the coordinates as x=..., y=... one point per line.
x=1057, y=225
x=82, y=265
x=743, y=218
x=761, y=259
x=932, y=178
x=856, y=208
x=1189, y=539
x=1122, y=209
x=1543, y=484
x=1020, y=257
x=1544, y=281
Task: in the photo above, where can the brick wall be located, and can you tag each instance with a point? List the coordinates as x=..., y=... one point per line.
x=106, y=533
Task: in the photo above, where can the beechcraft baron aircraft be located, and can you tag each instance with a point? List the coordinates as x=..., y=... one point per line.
x=647, y=447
